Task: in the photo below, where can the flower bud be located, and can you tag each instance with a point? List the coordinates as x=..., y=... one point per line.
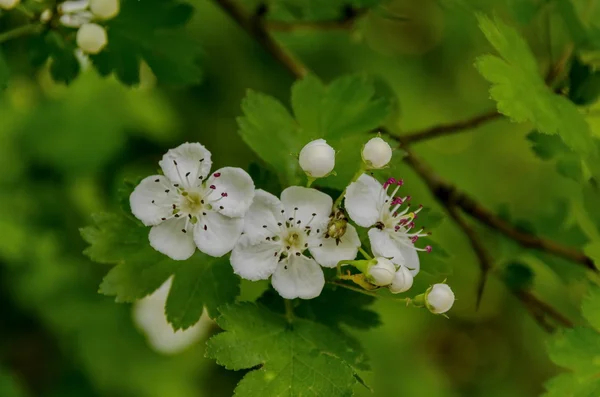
x=317, y=158
x=403, y=280
x=439, y=298
x=104, y=9
x=8, y=4
x=381, y=272
x=377, y=153
x=46, y=15
x=91, y=38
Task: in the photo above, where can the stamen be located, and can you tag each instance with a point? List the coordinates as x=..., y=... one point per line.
x=217, y=174
x=205, y=227
x=183, y=230
x=223, y=194
x=428, y=248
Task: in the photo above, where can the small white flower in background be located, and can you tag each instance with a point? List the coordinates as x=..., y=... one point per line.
x=46, y=15
x=439, y=298
x=376, y=153
x=75, y=13
x=91, y=38
x=381, y=272
x=402, y=282
x=149, y=317
x=105, y=9
x=317, y=158
x=391, y=235
x=187, y=209
x=8, y=4
x=277, y=233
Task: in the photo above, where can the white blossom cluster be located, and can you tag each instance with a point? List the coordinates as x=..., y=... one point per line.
x=289, y=238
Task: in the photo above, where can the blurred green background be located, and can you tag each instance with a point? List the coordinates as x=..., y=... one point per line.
x=64, y=151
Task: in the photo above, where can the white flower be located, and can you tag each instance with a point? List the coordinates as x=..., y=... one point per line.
x=278, y=233
x=369, y=204
x=377, y=153
x=46, y=15
x=188, y=209
x=91, y=38
x=149, y=317
x=439, y=298
x=104, y=9
x=403, y=280
x=317, y=158
x=8, y=4
x=381, y=272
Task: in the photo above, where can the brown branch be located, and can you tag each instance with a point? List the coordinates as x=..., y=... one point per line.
x=447, y=193
x=485, y=260
x=254, y=26
x=450, y=128
x=540, y=309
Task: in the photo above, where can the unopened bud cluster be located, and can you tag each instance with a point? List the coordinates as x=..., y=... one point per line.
x=384, y=273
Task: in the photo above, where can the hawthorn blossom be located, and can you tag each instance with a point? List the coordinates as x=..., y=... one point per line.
x=369, y=205
x=439, y=298
x=187, y=209
x=149, y=317
x=278, y=234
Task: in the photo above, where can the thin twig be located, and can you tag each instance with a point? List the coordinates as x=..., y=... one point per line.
x=540, y=308
x=485, y=260
x=254, y=26
x=447, y=193
x=20, y=31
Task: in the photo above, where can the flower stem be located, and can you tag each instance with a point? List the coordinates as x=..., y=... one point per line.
x=289, y=310
x=19, y=31
x=310, y=180
x=338, y=201
x=369, y=293
x=365, y=253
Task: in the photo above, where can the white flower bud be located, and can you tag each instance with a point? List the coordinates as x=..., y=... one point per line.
x=377, y=153
x=382, y=272
x=317, y=158
x=91, y=38
x=8, y=4
x=46, y=15
x=403, y=280
x=105, y=9
x=439, y=298
x=72, y=6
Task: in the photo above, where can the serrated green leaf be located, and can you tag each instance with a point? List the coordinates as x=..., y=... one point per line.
x=570, y=385
x=198, y=282
x=345, y=107
x=520, y=91
x=577, y=349
x=590, y=307
x=299, y=359
x=4, y=71
x=269, y=129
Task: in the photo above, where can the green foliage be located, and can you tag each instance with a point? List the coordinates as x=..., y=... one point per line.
x=584, y=83
x=591, y=307
x=294, y=359
x=520, y=91
x=314, y=10
x=552, y=148
x=4, y=72
x=341, y=113
x=139, y=270
x=518, y=276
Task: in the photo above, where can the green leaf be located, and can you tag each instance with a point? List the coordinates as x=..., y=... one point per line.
x=551, y=147
x=346, y=107
x=64, y=66
x=577, y=349
x=584, y=83
x=4, y=72
x=149, y=30
x=520, y=91
x=139, y=270
x=266, y=125
x=299, y=359
x=591, y=307
x=518, y=277
x=198, y=282
x=570, y=385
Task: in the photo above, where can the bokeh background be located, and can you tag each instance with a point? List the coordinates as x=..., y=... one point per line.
x=64, y=152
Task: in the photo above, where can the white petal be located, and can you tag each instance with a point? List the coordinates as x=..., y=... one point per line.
x=186, y=164
x=254, y=261
x=239, y=190
x=364, y=200
x=402, y=253
x=152, y=200
x=168, y=238
x=309, y=202
x=298, y=277
x=219, y=236
x=264, y=211
x=330, y=253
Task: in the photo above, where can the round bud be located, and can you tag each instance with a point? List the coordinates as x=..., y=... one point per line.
x=382, y=272
x=104, y=9
x=8, y=4
x=317, y=158
x=46, y=15
x=403, y=280
x=91, y=38
x=439, y=298
x=377, y=153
